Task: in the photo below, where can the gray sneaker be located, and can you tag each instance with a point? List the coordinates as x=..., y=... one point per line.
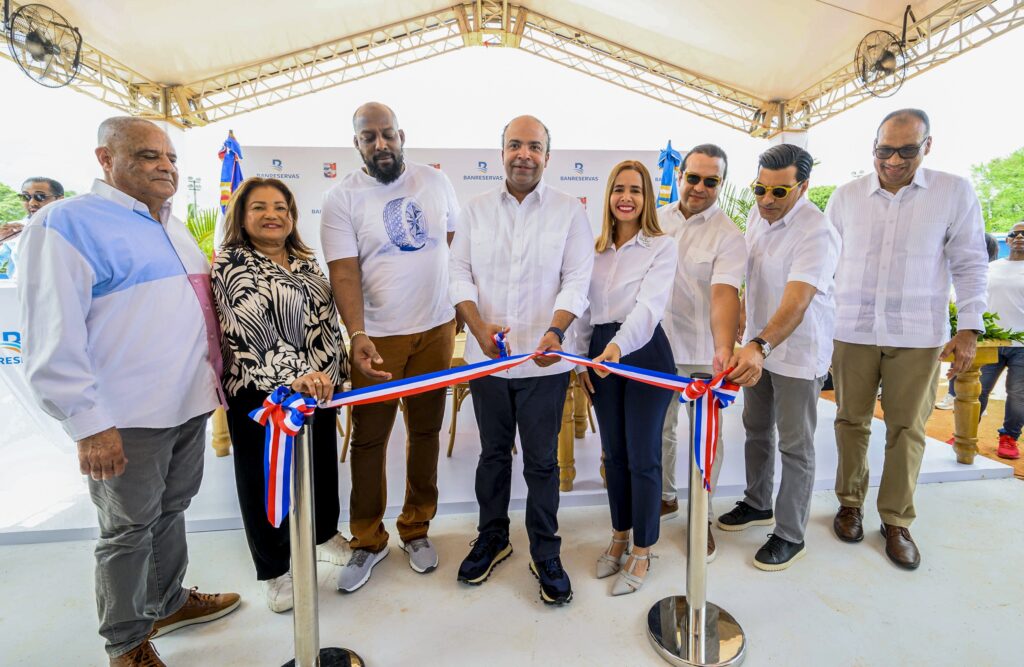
x=422, y=555
x=357, y=571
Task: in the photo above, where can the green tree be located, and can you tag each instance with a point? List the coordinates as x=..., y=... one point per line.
x=999, y=184
x=736, y=202
x=10, y=204
x=820, y=194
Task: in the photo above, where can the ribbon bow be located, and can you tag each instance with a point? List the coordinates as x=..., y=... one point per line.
x=708, y=397
x=283, y=414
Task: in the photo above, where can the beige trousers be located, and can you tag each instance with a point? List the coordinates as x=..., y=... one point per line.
x=907, y=377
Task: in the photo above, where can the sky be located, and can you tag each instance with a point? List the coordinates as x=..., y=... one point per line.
x=463, y=99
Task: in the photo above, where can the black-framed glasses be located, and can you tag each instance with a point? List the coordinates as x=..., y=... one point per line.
x=38, y=196
x=1013, y=235
x=710, y=182
x=906, y=152
x=778, y=191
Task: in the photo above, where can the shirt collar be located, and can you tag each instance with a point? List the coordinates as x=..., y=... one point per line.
x=110, y=193
x=789, y=217
x=639, y=239
x=703, y=216
x=538, y=191
x=920, y=179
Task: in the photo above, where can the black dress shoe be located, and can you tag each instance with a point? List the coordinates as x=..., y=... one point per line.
x=778, y=554
x=489, y=549
x=743, y=516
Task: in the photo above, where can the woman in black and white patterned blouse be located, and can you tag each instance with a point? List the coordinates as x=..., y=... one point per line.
x=280, y=327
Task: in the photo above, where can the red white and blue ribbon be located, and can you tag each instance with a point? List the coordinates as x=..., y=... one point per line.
x=708, y=398
x=283, y=414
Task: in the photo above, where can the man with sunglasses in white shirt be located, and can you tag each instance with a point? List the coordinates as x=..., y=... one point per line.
x=704, y=308
x=792, y=254
x=906, y=232
x=36, y=192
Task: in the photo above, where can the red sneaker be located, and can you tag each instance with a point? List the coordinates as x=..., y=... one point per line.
x=1007, y=448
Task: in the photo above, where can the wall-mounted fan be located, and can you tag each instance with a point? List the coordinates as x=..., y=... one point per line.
x=46, y=47
x=881, y=60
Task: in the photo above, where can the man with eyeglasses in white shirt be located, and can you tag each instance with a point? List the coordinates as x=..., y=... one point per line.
x=520, y=267
x=704, y=308
x=792, y=254
x=906, y=232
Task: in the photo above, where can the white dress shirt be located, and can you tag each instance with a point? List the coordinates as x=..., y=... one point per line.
x=1006, y=294
x=804, y=247
x=119, y=325
x=520, y=263
x=899, y=250
x=630, y=285
x=399, y=233
x=711, y=251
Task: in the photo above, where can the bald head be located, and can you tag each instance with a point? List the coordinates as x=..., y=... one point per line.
x=376, y=112
x=530, y=123
x=525, y=149
x=138, y=159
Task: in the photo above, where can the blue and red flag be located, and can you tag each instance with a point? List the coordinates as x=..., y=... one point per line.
x=230, y=170
x=669, y=161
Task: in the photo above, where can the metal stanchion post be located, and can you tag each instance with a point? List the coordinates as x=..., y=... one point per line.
x=689, y=630
x=300, y=526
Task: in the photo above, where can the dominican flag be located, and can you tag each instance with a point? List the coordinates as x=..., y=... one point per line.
x=669, y=161
x=230, y=169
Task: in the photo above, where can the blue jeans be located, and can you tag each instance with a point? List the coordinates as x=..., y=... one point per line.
x=1012, y=359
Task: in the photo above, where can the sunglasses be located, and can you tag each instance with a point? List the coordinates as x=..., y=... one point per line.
x=777, y=191
x=710, y=182
x=38, y=196
x=1013, y=235
x=906, y=152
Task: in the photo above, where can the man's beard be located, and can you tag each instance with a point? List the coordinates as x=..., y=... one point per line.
x=389, y=174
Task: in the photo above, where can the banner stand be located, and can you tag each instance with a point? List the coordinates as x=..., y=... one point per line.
x=689, y=630
x=300, y=526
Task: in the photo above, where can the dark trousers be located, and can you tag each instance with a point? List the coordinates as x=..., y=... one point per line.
x=630, y=415
x=1012, y=359
x=269, y=546
x=534, y=405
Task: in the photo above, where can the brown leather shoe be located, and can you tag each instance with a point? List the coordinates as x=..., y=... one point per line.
x=199, y=608
x=900, y=547
x=143, y=655
x=712, y=549
x=669, y=509
x=849, y=524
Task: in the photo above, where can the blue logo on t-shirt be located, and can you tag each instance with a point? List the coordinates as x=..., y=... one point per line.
x=405, y=223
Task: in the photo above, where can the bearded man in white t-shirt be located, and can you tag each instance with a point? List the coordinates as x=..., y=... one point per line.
x=385, y=231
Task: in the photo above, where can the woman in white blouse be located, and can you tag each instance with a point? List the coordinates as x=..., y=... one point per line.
x=629, y=290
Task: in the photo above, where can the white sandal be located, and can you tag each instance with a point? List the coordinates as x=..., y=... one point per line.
x=627, y=582
x=607, y=564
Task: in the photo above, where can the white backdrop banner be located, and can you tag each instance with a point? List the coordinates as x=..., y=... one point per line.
x=310, y=172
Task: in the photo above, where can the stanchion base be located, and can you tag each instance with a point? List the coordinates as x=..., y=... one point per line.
x=724, y=641
x=335, y=657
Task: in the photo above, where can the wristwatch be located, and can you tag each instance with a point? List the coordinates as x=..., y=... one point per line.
x=766, y=347
x=558, y=332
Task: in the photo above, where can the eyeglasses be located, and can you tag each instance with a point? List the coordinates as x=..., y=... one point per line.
x=710, y=182
x=1013, y=235
x=906, y=152
x=38, y=196
x=778, y=191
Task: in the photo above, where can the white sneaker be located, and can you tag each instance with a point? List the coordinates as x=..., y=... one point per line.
x=946, y=403
x=334, y=550
x=278, y=592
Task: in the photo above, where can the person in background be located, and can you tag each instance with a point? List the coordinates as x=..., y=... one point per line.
x=121, y=345
x=280, y=329
x=629, y=289
x=36, y=192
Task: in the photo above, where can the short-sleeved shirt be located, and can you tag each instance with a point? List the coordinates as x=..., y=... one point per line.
x=398, y=231
x=711, y=252
x=1006, y=293
x=804, y=247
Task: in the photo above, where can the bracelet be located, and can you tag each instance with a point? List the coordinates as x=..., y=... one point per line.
x=352, y=336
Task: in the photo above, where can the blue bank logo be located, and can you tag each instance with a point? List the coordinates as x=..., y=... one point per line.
x=481, y=166
x=10, y=348
x=277, y=165
x=578, y=168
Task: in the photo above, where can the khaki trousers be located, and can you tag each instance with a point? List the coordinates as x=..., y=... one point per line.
x=404, y=356
x=907, y=377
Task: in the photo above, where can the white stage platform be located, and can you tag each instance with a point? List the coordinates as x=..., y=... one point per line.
x=43, y=498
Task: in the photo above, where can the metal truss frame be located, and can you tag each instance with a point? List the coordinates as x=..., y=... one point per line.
x=952, y=29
